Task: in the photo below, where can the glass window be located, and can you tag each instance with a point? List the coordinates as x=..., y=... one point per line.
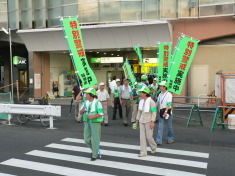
x=109, y=11
x=71, y=10
x=88, y=11
x=168, y=9
x=217, y=10
x=13, y=14
x=70, y=1
x=131, y=10
x=53, y=16
x=3, y=11
x=151, y=9
x=188, y=8
x=54, y=3
x=39, y=13
x=25, y=14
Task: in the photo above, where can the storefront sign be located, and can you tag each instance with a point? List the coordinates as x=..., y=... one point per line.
x=151, y=60
x=164, y=56
x=107, y=60
x=74, y=39
x=19, y=60
x=129, y=73
x=181, y=62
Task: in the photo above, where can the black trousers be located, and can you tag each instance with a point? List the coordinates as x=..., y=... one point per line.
x=117, y=105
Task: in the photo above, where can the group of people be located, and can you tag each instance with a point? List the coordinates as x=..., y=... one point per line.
x=147, y=102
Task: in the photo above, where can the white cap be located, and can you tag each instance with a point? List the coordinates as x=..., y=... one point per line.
x=155, y=79
x=101, y=84
x=118, y=80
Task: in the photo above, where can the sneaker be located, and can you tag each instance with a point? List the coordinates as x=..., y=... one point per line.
x=93, y=159
x=106, y=124
x=125, y=124
x=170, y=142
x=154, y=151
x=158, y=143
x=142, y=155
x=114, y=118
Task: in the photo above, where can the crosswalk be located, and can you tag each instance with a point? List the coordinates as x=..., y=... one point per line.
x=69, y=157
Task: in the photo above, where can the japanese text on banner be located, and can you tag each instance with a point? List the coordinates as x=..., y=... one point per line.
x=77, y=51
x=183, y=58
x=129, y=73
x=164, y=56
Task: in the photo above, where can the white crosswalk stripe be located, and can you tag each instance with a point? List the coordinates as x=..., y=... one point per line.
x=174, y=164
x=134, y=147
x=2, y=174
x=133, y=156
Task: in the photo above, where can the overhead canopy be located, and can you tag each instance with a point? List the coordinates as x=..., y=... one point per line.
x=145, y=34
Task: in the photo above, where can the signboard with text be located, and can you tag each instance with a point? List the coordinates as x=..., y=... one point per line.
x=181, y=62
x=74, y=39
x=129, y=73
x=164, y=57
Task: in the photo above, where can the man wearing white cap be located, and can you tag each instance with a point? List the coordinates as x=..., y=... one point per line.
x=103, y=97
x=116, y=92
x=154, y=89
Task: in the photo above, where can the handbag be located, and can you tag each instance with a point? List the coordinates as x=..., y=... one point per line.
x=162, y=111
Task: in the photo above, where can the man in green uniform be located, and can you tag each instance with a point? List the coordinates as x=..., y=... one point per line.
x=92, y=117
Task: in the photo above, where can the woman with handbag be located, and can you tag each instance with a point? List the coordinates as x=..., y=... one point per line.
x=145, y=118
x=164, y=104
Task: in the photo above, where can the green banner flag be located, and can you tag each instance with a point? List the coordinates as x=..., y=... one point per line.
x=129, y=73
x=75, y=43
x=181, y=62
x=164, y=59
x=138, y=52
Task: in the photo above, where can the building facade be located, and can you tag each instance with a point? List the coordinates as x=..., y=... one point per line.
x=111, y=28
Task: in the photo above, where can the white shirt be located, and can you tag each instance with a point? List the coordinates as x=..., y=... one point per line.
x=112, y=85
x=163, y=99
x=102, y=95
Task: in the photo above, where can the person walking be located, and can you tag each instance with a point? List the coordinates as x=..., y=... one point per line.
x=112, y=84
x=125, y=100
x=116, y=99
x=92, y=117
x=154, y=90
x=76, y=90
x=145, y=119
x=103, y=97
x=164, y=103
x=135, y=103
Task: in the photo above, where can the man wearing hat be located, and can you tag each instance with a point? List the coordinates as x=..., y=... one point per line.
x=125, y=99
x=92, y=117
x=154, y=89
x=116, y=99
x=135, y=103
x=164, y=104
x=103, y=97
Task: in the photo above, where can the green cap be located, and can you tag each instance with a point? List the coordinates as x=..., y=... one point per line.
x=144, y=89
x=163, y=83
x=91, y=90
x=144, y=77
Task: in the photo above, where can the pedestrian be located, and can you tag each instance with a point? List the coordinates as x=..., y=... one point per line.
x=135, y=103
x=103, y=97
x=116, y=100
x=154, y=90
x=78, y=103
x=164, y=104
x=125, y=100
x=145, y=119
x=112, y=84
x=92, y=117
x=143, y=82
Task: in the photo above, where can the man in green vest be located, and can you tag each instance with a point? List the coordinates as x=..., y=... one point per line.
x=92, y=117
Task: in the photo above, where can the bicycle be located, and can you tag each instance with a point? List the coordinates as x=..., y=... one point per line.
x=23, y=119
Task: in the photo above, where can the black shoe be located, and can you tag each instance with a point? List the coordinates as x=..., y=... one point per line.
x=79, y=121
x=114, y=118
x=93, y=159
x=121, y=117
x=125, y=124
x=106, y=124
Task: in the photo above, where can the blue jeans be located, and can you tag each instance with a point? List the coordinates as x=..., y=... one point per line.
x=170, y=133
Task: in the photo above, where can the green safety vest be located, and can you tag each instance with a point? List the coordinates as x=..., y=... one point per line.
x=97, y=111
x=116, y=92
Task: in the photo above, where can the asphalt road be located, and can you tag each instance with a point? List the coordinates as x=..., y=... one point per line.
x=33, y=150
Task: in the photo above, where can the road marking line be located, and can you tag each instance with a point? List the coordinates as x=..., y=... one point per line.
x=2, y=174
x=133, y=156
x=112, y=164
x=60, y=170
x=135, y=147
